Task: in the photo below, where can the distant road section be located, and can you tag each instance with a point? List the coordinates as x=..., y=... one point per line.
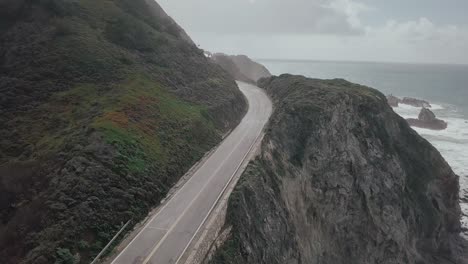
x=165, y=237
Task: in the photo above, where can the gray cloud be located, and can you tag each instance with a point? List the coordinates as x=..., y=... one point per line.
x=373, y=30
x=265, y=17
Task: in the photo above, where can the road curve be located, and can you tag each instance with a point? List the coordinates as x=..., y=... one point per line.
x=164, y=239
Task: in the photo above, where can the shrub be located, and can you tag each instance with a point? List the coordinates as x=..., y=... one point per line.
x=64, y=256
x=130, y=33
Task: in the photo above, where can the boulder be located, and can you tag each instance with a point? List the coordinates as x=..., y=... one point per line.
x=427, y=119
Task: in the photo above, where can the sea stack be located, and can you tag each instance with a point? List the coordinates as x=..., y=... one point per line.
x=427, y=119
x=416, y=102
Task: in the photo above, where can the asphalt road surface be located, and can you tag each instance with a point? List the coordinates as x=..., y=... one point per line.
x=165, y=237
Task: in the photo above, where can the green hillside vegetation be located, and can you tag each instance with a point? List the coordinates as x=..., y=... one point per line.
x=104, y=106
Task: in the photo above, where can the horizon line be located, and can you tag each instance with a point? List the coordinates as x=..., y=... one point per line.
x=363, y=61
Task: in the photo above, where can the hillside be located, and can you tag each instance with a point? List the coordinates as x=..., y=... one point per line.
x=251, y=68
x=241, y=67
x=341, y=178
x=104, y=105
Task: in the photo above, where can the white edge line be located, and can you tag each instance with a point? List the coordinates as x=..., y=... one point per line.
x=157, y=228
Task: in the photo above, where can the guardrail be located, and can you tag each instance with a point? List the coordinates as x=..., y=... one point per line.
x=96, y=259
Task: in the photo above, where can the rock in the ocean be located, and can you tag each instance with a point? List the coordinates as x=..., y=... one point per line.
x=416, y=102
x=427, y=119
x=426, y=115
x=393, y=101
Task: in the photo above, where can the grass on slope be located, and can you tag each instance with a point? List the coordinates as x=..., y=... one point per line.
x=154, y=136
x=136, y=116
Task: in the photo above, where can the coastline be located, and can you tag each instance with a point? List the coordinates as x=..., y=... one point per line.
x=452, y=143
x=436, y=84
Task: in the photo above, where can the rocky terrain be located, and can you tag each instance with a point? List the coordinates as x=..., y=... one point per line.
x=415, y=102
x=393, y=101
x=104, y=105
x=241, y=67
x=427, y=119
x=341, y=178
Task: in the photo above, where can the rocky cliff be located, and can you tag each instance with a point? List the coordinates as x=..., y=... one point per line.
x=250, y=68
x=104, y=105
x=341, y=178
x=241, y=67
x=393, y=101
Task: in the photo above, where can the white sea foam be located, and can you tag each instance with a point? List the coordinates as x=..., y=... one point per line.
x=436, y=107
x=452, y=143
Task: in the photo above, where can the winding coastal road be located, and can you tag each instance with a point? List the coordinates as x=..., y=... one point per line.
x=166, y=236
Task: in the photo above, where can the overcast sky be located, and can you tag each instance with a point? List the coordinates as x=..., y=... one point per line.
x=433, y=31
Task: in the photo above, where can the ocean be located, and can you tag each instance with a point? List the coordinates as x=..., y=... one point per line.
x=444, y=86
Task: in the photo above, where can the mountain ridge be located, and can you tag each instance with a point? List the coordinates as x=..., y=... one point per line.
x=241, y=67
x=105, y=105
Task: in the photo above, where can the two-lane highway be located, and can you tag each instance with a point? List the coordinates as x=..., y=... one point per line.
x=165, y=237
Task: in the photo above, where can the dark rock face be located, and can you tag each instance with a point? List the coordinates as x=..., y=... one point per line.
x=415, y=102
x=427, y=119
x=426, y=115
x=241, y=67
x=104, y=105
x=393, y=101
x=343, y=179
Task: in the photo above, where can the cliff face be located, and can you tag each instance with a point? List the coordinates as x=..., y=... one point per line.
x=250, y=68
x=241, y=67
x=231, y=67
x=342, y=179
x=104, y=105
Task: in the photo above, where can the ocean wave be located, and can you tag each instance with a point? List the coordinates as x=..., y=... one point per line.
x=437, y=107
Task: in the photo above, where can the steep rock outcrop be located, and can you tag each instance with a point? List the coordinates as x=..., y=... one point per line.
x=427, y=119
x=393, y=101
x=250, y=68
x=104, y=105
x=241, y=67
x=343, y=179
x=229, y=66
